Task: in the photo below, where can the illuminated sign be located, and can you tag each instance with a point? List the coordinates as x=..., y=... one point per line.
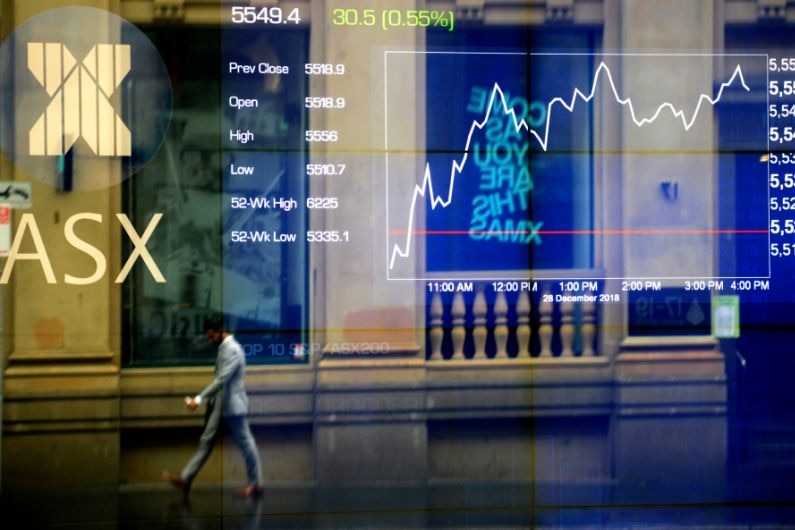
x=28, y=224
x=84, y=83
x=79, y=106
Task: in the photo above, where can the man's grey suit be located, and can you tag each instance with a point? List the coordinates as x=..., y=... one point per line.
x=226, y=396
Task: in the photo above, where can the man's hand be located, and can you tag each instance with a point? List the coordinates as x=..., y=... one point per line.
x=191, y=403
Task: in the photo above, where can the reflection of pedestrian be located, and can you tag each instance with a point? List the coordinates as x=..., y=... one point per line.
x=225, y=396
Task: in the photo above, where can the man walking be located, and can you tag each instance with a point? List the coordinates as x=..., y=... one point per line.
x=225, y=396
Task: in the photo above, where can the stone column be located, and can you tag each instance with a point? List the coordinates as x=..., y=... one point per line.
x=369, y=421
x=670, y=422
x=669, y=168
x=358, y=303
x=61, y=341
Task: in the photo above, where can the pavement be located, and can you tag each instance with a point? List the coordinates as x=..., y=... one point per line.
x=471, y=506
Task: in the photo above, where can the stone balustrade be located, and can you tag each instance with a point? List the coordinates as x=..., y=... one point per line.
x=510, y=325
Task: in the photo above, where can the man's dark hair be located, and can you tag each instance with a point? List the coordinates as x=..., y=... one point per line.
x=214, y=323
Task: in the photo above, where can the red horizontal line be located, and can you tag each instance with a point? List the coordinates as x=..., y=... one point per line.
x=574, y=232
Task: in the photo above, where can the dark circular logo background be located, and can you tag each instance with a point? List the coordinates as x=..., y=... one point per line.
x=142, y=100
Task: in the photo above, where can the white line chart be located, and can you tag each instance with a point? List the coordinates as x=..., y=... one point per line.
x=426, y=189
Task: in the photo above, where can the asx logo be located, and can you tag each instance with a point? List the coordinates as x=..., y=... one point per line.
x=28, y=225
x=80, y=105
x=85, y=82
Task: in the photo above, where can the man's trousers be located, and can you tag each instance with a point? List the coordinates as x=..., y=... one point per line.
x=238, y=427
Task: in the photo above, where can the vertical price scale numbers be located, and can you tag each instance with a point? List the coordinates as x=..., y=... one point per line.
x=781, y=158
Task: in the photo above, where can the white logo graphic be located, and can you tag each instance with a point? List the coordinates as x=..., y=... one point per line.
x=80, y=94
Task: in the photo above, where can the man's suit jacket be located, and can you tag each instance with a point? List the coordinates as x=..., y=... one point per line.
x=227, y=388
